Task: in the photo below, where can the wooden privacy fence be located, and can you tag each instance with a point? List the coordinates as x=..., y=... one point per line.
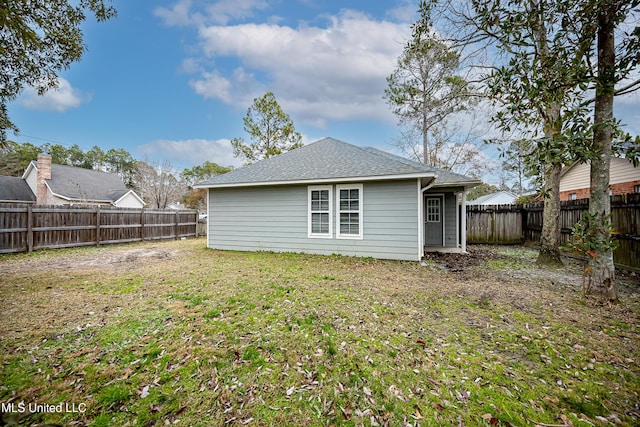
x=505, y=224
x=26, y=227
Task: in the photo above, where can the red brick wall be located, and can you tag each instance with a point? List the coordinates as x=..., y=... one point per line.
x=624, y=188
x=582, y=193
x=616, y=189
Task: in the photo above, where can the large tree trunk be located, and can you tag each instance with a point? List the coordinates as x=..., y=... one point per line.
x=601, y=271
x=549, y=254
x=550, y=237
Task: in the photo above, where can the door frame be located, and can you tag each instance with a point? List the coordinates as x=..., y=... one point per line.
x=442, y=198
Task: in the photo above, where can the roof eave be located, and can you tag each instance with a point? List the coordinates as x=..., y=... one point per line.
x=320, y=181
x=466, y=184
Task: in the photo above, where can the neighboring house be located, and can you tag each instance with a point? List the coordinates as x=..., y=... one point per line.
x=14, y=189
x=50, y=184
x=575, y=181
x=330, y=197
x=499, y=198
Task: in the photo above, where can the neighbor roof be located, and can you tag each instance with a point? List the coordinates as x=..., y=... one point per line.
x=74, y=183
x=15, y=189
x=498, y=198
x=330, y=160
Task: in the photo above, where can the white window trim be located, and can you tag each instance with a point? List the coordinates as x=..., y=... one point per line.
x=360, y=211
x=328, y=235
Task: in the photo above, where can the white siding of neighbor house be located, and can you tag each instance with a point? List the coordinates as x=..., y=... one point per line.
x=578, y=176
x=274, y=218
x=129, y=201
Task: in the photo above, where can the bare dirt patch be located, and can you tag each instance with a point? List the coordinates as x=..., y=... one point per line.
x=121, y=256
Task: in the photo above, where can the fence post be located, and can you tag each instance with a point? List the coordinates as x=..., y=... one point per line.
x=29, y=228
x=142, y=225
x=98, y=225
x=176, y=218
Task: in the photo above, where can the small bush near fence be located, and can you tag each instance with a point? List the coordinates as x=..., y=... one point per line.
x=28, y=227
x=505, y=224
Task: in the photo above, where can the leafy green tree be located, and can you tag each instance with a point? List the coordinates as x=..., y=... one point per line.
x=40, y=39
x=481, y=190
x=121, y=162
x=96, y=158
x=196, y=198
x=203, y=172
x=270, y=129
x=425, y=90
x=14, y=157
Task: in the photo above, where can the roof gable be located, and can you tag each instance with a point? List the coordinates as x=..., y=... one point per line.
x=327, y=160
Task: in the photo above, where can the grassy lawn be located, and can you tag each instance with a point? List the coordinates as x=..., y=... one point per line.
x=164, y=333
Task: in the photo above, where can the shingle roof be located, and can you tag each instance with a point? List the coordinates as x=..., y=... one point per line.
x=85, y=184
x=329, y=159
x=15, y=189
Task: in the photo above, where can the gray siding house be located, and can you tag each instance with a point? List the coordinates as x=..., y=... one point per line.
x=331, y=197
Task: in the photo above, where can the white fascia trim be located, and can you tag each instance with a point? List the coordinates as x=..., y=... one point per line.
x=321, y=181
x=31, y=165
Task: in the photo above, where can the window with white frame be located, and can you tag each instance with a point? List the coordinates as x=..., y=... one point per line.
x=349, y=211
x=320, y=224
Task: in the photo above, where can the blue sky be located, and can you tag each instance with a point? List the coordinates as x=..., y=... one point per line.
x=172, y=79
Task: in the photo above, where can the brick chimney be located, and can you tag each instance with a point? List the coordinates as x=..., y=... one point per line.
x=44, y=172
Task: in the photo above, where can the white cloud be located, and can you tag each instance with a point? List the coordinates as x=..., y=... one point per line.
x=190, y=152
x=184, y=13
x=178, y=15
x=63, y=98
x=337, y=72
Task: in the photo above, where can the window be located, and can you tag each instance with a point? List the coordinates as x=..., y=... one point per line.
x=573, y=196
x=433, y=210
x=320, y=211
x=349, y=211
x=636, y=188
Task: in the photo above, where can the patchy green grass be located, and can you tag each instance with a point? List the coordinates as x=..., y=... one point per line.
x=182, y=333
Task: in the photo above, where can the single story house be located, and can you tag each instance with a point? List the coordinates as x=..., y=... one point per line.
x=51, y=184
x=497, y=198
x=331, y=197
x=575, y=180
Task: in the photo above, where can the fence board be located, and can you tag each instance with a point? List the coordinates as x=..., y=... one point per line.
x=26, y=227
x=516, y=223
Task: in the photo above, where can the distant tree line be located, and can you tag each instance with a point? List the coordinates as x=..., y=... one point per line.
x=158, y=183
